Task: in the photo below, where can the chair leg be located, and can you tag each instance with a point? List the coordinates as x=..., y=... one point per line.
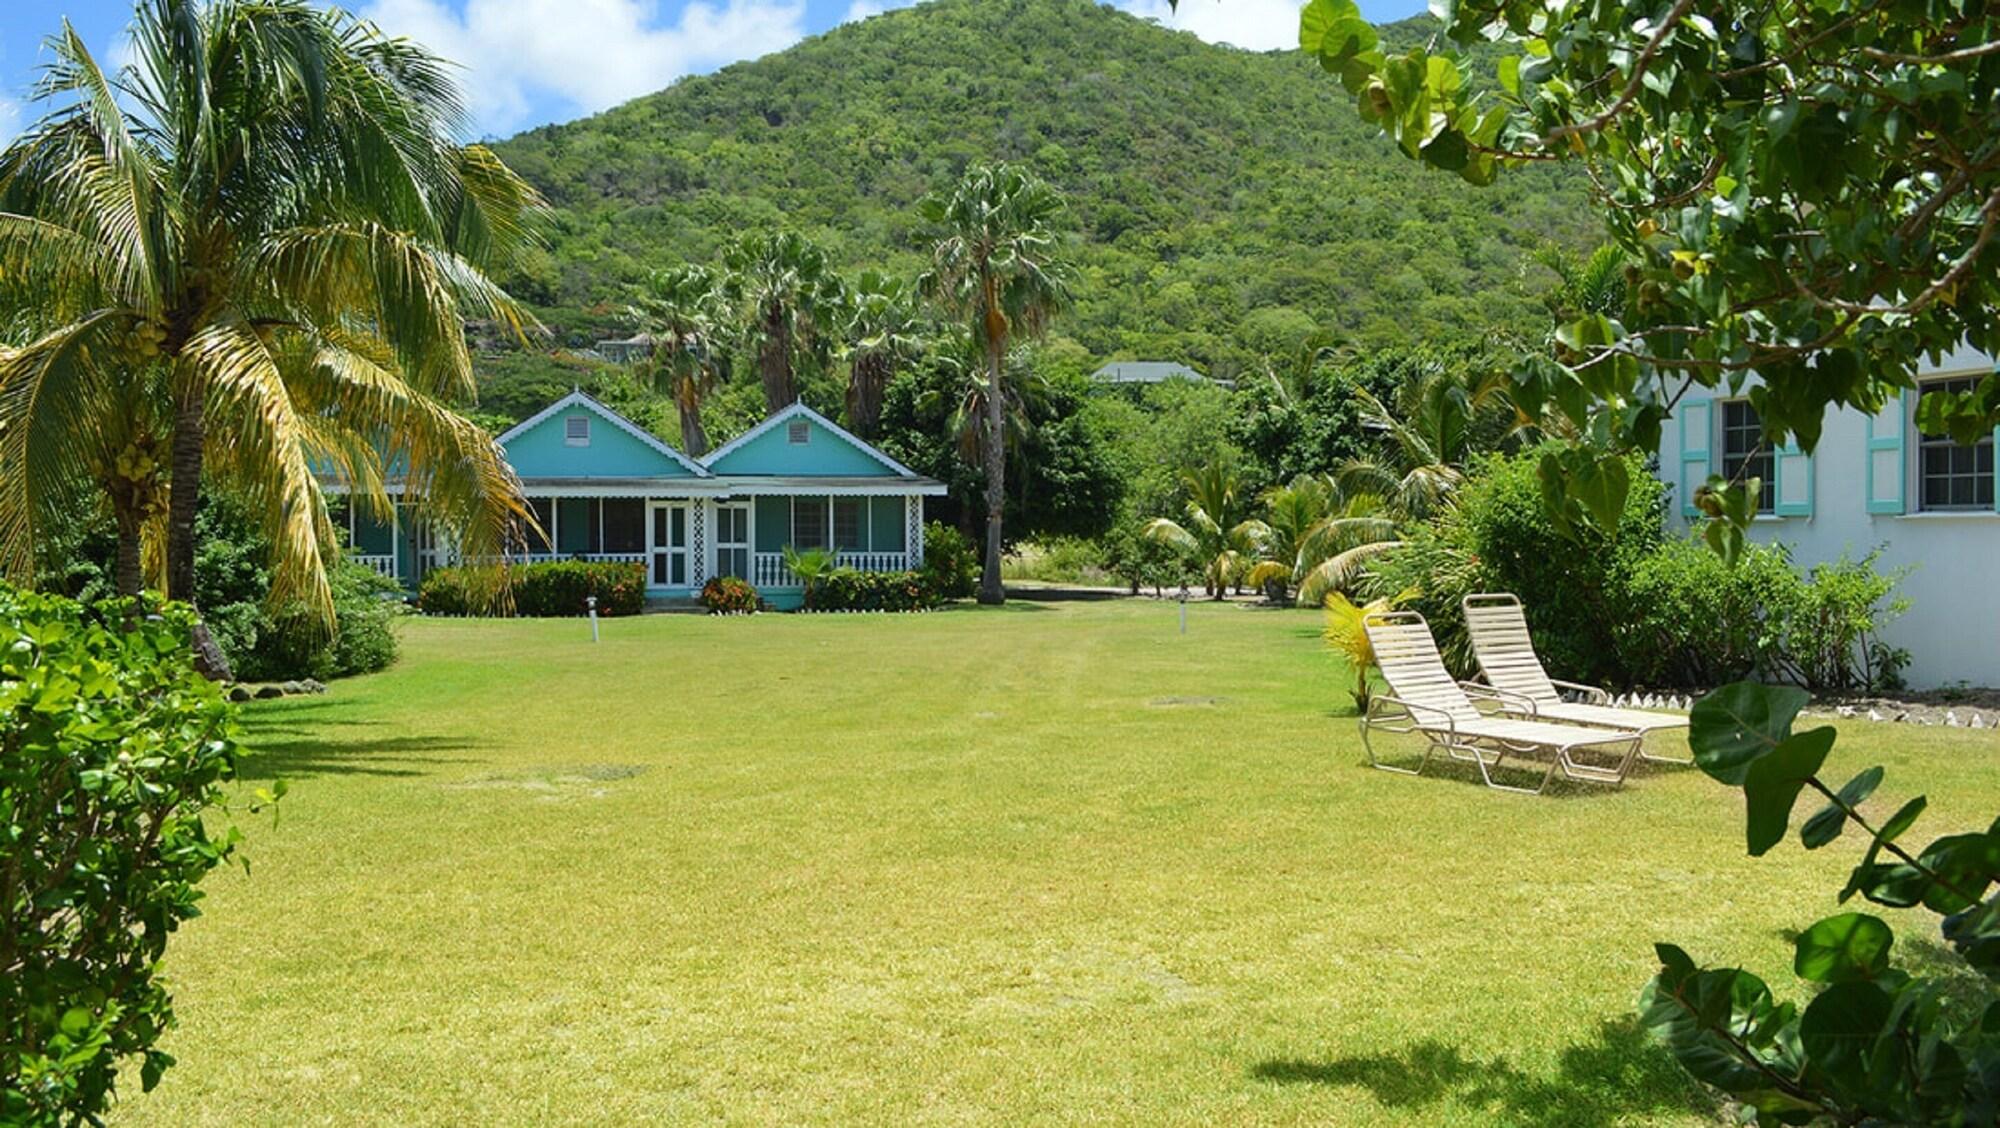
x=1677, y=761
x=1378, y=763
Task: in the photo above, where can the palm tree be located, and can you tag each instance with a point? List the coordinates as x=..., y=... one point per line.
x=253, y=250
x=1345, y=633
x=997, y=264
x=883, y=332
x=1218, y=530
x=682, y=310
x=1427, y=439
x=1313, y=536
x=789, y=299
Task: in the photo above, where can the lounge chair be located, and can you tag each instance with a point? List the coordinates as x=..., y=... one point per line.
x=1507, y=660
x=1436, y=707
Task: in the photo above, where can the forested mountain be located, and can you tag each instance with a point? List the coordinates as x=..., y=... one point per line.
x=1225, y=202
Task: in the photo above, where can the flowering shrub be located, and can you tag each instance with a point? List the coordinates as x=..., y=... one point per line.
x=849, y=590
x=728, y=594
x=561, y=588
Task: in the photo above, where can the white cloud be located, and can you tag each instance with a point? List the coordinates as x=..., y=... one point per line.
x=862, y=9
x=1258, y=25
x=585, y=55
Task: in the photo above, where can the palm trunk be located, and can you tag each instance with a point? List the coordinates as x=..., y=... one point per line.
x=694, y=437
x=131, y=575
x=864, y=393
x=994, y=455
x=182, y=502
x=774, y=362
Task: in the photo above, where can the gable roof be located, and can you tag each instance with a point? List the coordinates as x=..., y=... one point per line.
x=598, y=408
x=800, y=410
x=1144, y=372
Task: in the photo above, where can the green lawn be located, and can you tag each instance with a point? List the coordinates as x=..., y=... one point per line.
x=1051, y=863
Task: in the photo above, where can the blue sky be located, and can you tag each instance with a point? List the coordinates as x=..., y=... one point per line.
x=528, y=62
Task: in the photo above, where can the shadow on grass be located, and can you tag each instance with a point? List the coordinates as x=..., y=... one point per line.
x=1620, y=1074
x=282, y=748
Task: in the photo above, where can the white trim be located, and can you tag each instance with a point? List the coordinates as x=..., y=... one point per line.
x=579, y=399
x=797, y=409
x=754, y=486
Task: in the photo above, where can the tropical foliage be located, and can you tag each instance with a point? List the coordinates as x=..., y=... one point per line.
x=249, y=255
x=113, y=752
x=1315, y=539
x=683, y=313
x=1346, y=632
x=555, y=588
x=1784, y=182
x=1876, y=1044
x=790, y=301
x=1218, y=531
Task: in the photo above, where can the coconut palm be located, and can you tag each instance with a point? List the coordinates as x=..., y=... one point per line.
x=1313, y=536
x=998, y=265
x=1218, y=529
x=884, y=330
x=1427, y=437
x=683, y=311
x=789, y=300
x=253, y=251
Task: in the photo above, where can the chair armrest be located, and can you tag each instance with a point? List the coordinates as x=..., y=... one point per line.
x=1593, y=695
x=1508, y=699
x=1411, y=709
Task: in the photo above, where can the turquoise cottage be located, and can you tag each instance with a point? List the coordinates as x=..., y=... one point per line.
x=603, y=488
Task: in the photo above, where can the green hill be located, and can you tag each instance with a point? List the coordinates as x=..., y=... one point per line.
x=1224, y=200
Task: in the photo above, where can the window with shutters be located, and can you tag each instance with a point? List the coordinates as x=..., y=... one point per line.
x=1952, y=477
x=1744, y=452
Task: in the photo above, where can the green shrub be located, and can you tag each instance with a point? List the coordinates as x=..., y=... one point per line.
x=951, y=561
x=728, y=594
x=848, y=590
x=555, y=589
x=1139, y=561
x=233, y=585
x=1057, y=560
x=111, y=749
x=1692, y=620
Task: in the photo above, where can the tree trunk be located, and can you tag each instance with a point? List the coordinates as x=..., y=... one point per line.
x=994, y=455
x=694, y=437
x=131, y=574
x=864, y=393
x=182, y=502
x=774, y=362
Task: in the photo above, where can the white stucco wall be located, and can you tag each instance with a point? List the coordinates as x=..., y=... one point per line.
x=1952, y=628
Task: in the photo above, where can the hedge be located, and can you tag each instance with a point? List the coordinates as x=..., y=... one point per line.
x=849, y=590
x=559, y=588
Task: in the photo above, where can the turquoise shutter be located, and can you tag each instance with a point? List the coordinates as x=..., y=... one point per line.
x=1793, y=469
x=1887, y=464
x=1697, y=417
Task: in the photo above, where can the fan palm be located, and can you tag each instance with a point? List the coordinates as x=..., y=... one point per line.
x=1218, y=530
x=253, y=250
x=789, y=299
x=884, y=330
x=998, y=264
x=682, y=310
x=1314, y=537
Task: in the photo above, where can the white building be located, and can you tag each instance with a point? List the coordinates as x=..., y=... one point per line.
x=1874, y=481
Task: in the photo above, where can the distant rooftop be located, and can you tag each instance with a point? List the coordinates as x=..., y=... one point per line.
x=1144, y=372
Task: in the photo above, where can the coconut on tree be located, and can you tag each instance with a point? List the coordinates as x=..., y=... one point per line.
x=247, y=257
x=998, y=264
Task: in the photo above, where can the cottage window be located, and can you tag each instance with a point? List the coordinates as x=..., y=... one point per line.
x=1949, y=476
x=624, y=524
x=798, y=432
x=732, y=540
x=576, y=430
x=1744, y=454
x=808, y=523
x=850, y=533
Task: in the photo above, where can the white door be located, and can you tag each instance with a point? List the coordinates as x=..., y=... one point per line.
x=732, y=541
x=667, y=543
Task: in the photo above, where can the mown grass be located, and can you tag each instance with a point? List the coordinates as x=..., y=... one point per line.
x=1052, y=863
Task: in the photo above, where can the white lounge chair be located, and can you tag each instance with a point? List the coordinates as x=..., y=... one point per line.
x=1507, y=660
x=1436, y=707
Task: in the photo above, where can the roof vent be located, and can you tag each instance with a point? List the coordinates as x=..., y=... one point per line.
x=798, y=432
x=576, y=430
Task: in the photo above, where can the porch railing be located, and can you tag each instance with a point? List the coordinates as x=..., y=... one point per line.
x=767, y=569
x=384, y=565
x=590, y=557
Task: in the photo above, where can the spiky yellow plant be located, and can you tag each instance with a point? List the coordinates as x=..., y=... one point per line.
x=1345, y=634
